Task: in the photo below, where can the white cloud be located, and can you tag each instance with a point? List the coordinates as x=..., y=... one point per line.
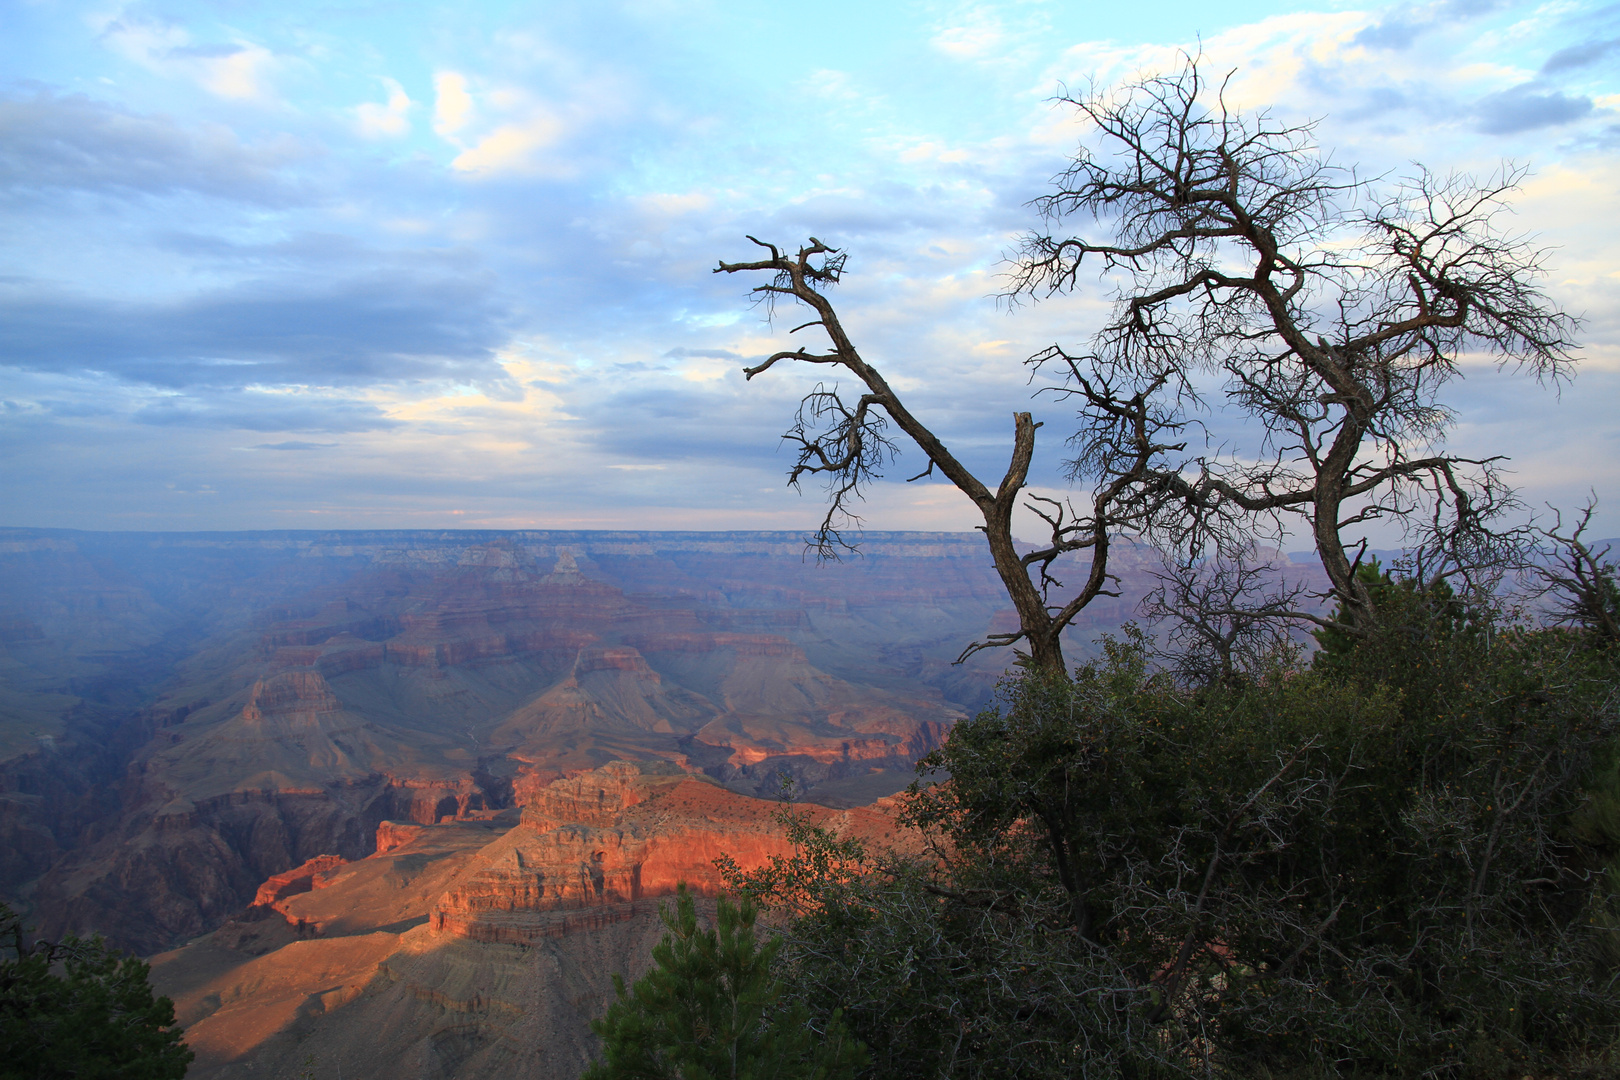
x=454, y=107
x=242, y=74
x=660, y=149
x=976, y=34
x=515, y=147
x=511, y=130
x=237, y=69
x=390, y=119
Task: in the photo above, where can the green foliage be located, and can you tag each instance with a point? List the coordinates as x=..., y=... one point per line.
x=78, y=1009
x=936, y=978
x=1415, y=619
x=1335, y=642
x=1400, y=863
x=711, y=1009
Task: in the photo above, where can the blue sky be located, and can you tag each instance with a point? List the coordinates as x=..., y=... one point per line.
x=372, y=265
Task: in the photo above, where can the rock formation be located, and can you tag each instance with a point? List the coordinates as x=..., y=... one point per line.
x=592, y=849
x=184, y=716
x=370, y=776
x=300, y=879
x=470, y=947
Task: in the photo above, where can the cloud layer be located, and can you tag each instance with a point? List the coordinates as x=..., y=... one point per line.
x=351, y=269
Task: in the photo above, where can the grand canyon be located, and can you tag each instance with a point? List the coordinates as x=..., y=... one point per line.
x=402, y=803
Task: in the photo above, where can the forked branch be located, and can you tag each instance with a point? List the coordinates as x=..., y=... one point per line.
x=847, y=445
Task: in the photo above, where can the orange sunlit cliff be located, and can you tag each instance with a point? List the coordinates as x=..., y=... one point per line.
x=482, y=944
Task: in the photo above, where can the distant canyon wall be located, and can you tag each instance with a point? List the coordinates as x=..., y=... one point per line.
x=184, y=715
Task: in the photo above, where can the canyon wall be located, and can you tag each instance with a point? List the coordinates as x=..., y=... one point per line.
x=473, y=947
x=406, y=801
x=183, y=716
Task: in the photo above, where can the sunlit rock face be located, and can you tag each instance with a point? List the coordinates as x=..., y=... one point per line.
x=473, y=947
x=184, y=716
x=312, y=874
x=414, y=798
x=589, y=848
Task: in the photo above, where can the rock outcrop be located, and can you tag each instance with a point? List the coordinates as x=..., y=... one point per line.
x=470, y=948
x=300, y=879
x=593, y=849
x=315, y=685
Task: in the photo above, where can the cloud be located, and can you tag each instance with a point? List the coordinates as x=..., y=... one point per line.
x=237, y=70
x=668, y=421
x=1579, y=56
x=516, y=317
x=513, y=147
x=72, y=142
x=390, y=119
x=258, y=411
x=376, y=329
x=1400, y=27
x=293, y=444
x=1394, y=32
x=1372, y=99
x=1525, y=108
x=704, y=354
x=517, y=127
x=454, y=106
x=977, y=34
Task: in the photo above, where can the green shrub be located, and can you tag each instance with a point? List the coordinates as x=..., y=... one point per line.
x=711, y=1009
x=77, y=1009
x=1396, y=864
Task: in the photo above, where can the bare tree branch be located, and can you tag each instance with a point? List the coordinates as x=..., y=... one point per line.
x=1579, y=578
x=847, y=445
x=1334, y=308
x=1227, y=616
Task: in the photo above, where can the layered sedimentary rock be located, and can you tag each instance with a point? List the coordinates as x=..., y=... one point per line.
x=421, y=689
x=186, y=721
x=242, y=790
x=472, y=948
x=300, y=879
x=593, y=849
x=184, y=716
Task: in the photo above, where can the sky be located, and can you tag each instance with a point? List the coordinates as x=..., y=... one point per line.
x=381, y=265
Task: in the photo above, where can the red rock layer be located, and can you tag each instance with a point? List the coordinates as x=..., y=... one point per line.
x=392, y=835
x=592, y=847
x=419, y=690
x=300, y=879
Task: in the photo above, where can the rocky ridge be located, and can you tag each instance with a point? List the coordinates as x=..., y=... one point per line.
x=417, y=689
x=476, y=947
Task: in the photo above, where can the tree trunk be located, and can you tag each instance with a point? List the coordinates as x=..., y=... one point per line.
x=1035, y=622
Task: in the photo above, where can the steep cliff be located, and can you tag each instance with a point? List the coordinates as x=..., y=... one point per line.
x=420, y=688
x=470, y=948
x=223, y=804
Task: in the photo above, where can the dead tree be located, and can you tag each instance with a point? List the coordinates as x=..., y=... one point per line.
x=846, y=442
x=1579, y=580
x=1226, y=617
x=1331, y=310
